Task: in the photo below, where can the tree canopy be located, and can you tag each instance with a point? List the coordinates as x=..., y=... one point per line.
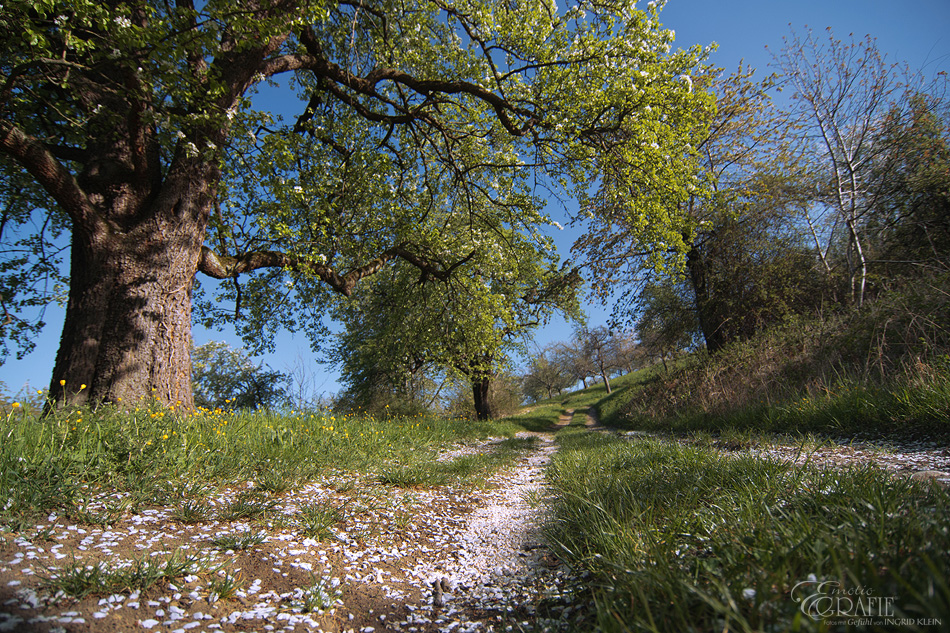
x=402, y=334
x=133, y=125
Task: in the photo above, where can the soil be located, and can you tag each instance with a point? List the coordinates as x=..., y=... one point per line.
x=452, y=558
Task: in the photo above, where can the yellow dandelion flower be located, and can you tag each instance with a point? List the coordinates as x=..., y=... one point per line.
x=62, y=383
x=15, y=405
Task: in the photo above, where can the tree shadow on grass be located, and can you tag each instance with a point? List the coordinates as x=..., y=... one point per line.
x=539, y=424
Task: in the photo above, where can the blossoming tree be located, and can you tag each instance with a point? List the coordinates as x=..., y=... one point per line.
x=132, y=126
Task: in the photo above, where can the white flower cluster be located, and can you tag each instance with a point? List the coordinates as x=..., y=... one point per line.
x=123, y=21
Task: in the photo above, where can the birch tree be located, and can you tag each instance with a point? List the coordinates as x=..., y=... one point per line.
x=843, y=92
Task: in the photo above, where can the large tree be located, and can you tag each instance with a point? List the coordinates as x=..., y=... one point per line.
x=135, y=122
x=742, y=215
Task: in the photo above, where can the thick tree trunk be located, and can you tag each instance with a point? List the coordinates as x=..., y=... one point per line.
x=480, y=390
x=127, y=333
x=606, y=380
x=709, y=322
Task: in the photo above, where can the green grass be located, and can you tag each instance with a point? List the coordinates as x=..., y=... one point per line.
x=544, y=415
x=682, y=538
x=80, y=580
x=899, y=410
x=239, y=541
x=316, y=521
x=61, y=461
x=421, y=471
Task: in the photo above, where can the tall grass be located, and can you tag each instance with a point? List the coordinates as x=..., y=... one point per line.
x=161, y=454
x=679, y=538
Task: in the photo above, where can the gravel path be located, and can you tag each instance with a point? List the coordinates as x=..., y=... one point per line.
x=451, y=558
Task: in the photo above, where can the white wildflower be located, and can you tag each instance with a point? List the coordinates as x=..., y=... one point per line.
x=123, y=21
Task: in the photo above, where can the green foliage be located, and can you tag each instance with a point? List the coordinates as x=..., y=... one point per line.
x=421, y=133
x=668, y=322
x=406, y=338
x=227, y=378
x=547, y=375
x=910, y=225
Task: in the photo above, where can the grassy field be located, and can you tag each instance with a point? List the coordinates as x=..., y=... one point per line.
x=157, y=455
x=682, y=538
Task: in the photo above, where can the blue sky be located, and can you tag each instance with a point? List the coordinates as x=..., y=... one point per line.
x=916, y=32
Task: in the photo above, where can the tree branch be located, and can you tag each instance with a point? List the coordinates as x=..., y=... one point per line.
x=227, y=267
x=40, y=162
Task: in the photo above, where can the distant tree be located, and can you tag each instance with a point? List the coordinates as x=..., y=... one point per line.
x=629, y=351
x=603, y=348
x=228, y=378
x=400, y=332
x=668, y=322
x=572, y=359
x=546, y=377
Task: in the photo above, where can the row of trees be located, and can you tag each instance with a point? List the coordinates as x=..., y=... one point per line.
x=594, y=353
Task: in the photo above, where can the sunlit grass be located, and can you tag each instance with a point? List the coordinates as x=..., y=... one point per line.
x=168, y=455
x=420, y=472
x=683, y=538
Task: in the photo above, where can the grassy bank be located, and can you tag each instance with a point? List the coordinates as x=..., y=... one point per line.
x=681, y=538
x=158, y=454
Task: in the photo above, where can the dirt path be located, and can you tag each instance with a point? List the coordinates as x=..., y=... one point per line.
x=452, y=558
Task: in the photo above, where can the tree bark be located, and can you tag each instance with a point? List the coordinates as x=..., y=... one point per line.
x=480, y=390
x=127, y=332
x=708, y=322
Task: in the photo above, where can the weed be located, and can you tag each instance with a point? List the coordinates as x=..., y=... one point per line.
x=237, y=542
x=223, y=586
x=192, y=511
x=276, y=481
x=80, y=580
x=109, y=514
x=248, y=505
x=317, y=521
x=318, y=596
